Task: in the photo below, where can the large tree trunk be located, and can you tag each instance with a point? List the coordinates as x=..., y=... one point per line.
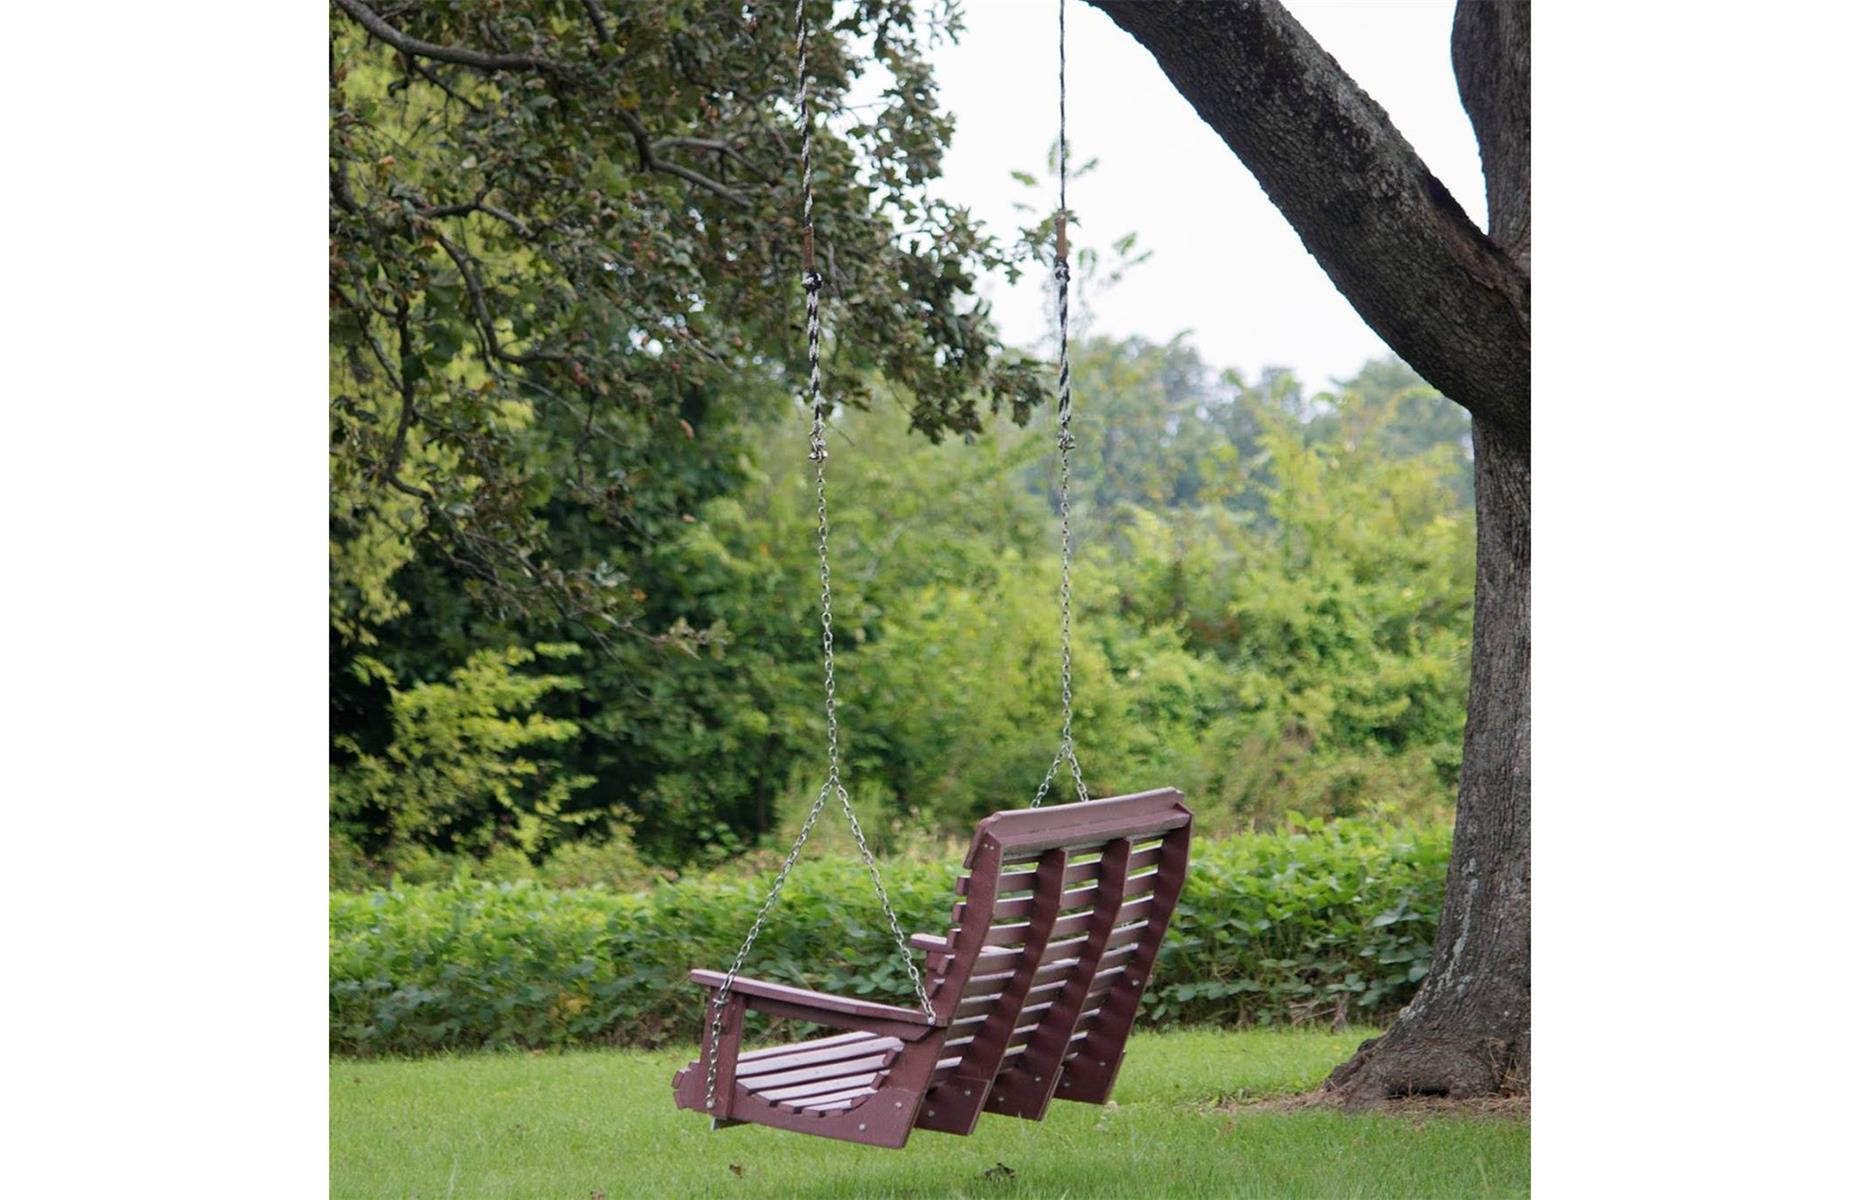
x=1468, y=1030
x=1455, y=303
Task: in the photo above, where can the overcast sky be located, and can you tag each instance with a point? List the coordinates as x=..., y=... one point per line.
x=1225, y=264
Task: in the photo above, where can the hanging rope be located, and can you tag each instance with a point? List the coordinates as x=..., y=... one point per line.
x=1062, y=281
x=811, y=282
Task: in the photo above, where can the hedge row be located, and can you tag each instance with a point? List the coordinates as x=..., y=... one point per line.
x=1272, y=928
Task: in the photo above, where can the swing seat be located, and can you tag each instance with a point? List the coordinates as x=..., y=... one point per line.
x=1059, y=915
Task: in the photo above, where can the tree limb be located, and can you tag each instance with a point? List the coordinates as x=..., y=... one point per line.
x=437, y=80
x=487, y=325
x=1390, y=236
x=478, y=205
x=407, y=44
x=716, y=146
x=597, y=14
x=650, y=161
x=1492, y=63
x=404, y=329
x=361, y=311
x=649, y=150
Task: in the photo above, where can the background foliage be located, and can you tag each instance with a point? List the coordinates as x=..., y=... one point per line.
x=572, y=589
x=1273, y=605
x=1331, y=923
x=564, y=250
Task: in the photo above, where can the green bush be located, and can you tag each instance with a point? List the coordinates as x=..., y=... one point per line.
x=613, y=862
x=1331, y=923
x=461, y=768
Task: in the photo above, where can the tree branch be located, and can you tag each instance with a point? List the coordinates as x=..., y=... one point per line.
x=478, y=205
x=1386, y=231
x=716, y=146
x=487, y=325
x=404, y=329
x=597, y=14
x=433, y=77
x=650, y=161
x=1492, y=63
x=407, y=44
x=361, y=310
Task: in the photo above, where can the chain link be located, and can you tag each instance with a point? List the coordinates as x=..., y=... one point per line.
x=1062, y=282
x=811, y=283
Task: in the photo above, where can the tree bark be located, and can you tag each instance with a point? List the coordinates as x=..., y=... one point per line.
x=1468, y=1030
x=1454, y=302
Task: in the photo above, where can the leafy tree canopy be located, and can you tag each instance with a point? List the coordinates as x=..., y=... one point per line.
x=564, y=258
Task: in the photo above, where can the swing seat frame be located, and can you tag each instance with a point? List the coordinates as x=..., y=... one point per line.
x=1058, y=920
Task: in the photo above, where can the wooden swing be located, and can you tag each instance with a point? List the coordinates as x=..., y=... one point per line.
x=1060, y=914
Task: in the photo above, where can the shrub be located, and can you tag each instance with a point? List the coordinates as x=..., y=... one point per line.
x=612, y=862
x=467, y=757
x=1329, y=923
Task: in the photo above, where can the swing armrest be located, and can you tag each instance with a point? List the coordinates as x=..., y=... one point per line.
x=820, y=1007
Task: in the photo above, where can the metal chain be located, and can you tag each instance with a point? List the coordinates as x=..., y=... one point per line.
x=1062, y=277
x=811, y=283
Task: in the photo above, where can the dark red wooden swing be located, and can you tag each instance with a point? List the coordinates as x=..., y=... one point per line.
x=1031, y=994
x=1057, y=923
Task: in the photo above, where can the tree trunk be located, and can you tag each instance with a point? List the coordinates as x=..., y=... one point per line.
x=1468, y=1030
x=1455, y=303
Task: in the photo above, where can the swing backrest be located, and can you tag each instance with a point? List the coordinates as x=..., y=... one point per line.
x=1059, y=918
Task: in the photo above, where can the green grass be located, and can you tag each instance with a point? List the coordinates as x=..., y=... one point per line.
x=573, y=1125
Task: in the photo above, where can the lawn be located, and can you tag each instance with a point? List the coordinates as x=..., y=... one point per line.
x=594, y=1125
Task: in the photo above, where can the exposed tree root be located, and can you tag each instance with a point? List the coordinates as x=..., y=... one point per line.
x=1410, y=1061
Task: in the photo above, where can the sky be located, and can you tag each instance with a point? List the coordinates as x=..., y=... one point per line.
x=1224, y=264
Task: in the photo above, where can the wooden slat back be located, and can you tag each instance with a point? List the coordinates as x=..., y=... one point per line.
x=1054, y=898
x=1030, y=942
x=1098, y=1042
x=1024, y=1088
